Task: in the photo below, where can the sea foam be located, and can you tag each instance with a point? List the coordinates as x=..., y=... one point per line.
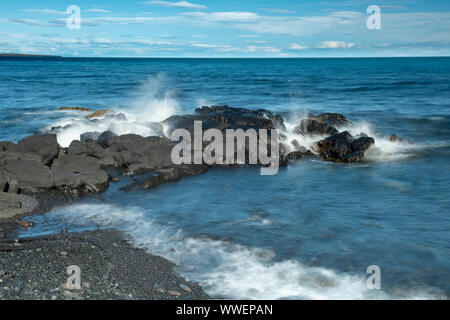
x=224, y=269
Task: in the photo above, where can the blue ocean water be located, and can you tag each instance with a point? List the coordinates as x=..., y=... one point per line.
x=308, y=232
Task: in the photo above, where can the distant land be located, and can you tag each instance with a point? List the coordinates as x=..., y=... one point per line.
x=20, y=55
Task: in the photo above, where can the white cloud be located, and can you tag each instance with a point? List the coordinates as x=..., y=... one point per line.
x=215, y=47
x=224, y=16
x=264, y=49
x=295, y=46
x=97, y=11
x=180, y=4
x=335, y=45
x=46, y=11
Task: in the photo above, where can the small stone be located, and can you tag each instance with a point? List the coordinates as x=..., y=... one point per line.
x=26, y=224
x=63, y=253
x=53, y=297
x=161, y=290
x=174, y=293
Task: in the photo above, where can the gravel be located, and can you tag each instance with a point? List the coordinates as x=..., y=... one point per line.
x=111, y=268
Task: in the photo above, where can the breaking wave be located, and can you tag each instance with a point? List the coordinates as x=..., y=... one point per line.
x=224, y=269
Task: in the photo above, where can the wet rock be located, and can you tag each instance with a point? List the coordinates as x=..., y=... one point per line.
x=173, y=174
x=299, y=154
x=331, y=119
x=224, y=117
x=394, y=138
x=100, y=137
x=137, y=168
x=99, y=113
x=75, y=108
x=310, y=126
x=342, y=147
x=28, y=175
x=79, y=173
x=89, y=136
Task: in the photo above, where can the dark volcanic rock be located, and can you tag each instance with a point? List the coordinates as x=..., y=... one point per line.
x=79, y=173
x=101, y=137
x=300, y=154
x=94, y=150
x=342, y=147
x=152, y=152
x=45, y=148
x=28, y=175
x=331, y=119
x=224, y=117
x=173, y=174
x=3, y=182
x=309, y=126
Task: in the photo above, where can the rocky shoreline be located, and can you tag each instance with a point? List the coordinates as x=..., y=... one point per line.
x=110, y=268
x=37, y=174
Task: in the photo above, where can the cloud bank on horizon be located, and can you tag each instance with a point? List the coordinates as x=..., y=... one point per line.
x=206, y=28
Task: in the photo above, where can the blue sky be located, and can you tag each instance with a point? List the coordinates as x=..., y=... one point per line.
x=210, y=28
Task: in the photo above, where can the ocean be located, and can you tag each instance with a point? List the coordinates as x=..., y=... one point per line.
x=309, y=232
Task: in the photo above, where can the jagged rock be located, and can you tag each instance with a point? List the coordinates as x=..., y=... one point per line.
x=342, y=147
x=28, y=175
x=224, y=117
x=79, y=173
x=331, y=119
x=309, y=126
x=302, y=153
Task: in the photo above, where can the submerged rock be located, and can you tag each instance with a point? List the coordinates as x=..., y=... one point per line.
x=173, y=174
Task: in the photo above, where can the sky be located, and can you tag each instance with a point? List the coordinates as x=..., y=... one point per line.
x=211, y=28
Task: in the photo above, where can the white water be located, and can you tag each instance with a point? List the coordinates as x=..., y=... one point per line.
x=151, y=103
x=225, y=269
